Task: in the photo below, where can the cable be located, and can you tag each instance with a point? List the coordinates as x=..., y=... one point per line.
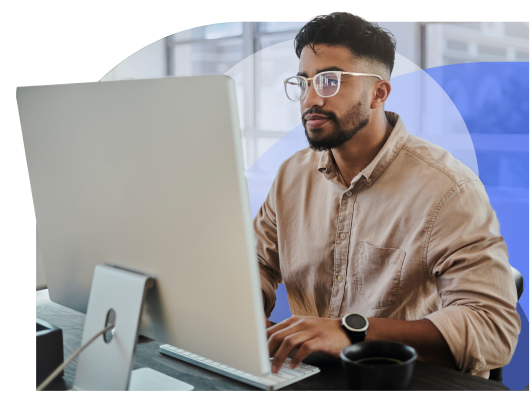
x=71, y=358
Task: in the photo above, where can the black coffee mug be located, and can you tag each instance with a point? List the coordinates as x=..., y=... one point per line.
x=378, y=365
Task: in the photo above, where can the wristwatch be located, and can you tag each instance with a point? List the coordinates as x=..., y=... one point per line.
x=355, y=326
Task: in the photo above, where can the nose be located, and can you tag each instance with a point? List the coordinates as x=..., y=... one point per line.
x=312, y=98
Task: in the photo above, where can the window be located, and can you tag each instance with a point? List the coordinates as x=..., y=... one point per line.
x=279, y=26
x=521, y=56
x=517, y=29
x=456, y=43
x=205, y=57
x=216, y=31
x=492, y=51
x=220, y=49
x=206, y=50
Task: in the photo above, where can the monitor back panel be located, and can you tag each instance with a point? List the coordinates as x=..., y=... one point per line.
x=149, y=175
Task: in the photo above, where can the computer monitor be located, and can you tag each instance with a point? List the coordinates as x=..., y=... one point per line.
x=149, y=175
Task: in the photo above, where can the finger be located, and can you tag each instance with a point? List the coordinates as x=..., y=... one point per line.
x=282, y=325
x=308, y=347
x=289, y=344
x=277, y=338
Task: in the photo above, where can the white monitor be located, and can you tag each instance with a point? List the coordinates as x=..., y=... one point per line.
x=149, y=175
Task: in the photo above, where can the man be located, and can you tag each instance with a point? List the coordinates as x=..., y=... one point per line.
x=375, y=222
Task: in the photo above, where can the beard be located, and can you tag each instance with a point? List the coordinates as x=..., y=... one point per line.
x=355, y=119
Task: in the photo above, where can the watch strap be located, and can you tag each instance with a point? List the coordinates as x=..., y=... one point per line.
x=354, y=337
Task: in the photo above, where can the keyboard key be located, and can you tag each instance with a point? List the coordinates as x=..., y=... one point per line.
x=303, y=371
x=270, y=376
x=201, y=358
x=292, y=372
x=286, y=376
x=277, y=377
x=231, y=369
x=266, y=381
x=286, y=370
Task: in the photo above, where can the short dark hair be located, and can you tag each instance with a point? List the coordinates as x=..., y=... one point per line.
x=364, y=39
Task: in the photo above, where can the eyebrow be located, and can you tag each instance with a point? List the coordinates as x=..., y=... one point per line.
x=320, y=70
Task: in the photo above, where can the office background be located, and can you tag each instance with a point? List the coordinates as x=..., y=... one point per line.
x=492, y=101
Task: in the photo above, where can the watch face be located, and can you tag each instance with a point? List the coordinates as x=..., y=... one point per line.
x=355, y=321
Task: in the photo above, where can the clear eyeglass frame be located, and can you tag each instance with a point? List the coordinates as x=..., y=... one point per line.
x=306, y=81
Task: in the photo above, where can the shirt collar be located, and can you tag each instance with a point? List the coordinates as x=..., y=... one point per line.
x=382, y=160
x=327, y=164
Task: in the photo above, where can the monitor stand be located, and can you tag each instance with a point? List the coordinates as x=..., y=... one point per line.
x=117, y=296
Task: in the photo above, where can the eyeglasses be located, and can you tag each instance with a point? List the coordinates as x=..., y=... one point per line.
x=327, y=84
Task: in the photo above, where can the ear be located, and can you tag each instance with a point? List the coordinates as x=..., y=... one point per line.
x=380, y=94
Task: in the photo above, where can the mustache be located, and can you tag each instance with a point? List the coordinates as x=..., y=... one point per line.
x=329, y=114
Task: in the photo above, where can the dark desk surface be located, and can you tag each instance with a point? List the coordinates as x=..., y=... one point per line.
x=426, y=377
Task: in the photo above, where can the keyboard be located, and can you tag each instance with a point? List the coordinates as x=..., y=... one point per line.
x=286, y=376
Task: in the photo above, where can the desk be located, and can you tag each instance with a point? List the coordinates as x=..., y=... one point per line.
x=426, y=377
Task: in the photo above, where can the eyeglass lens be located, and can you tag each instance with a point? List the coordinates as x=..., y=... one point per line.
x=326, y=85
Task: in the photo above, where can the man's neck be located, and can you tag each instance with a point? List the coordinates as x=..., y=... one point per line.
x=355, y=155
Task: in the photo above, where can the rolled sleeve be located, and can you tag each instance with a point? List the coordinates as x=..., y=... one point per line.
x=473, y=277
x=267, y=249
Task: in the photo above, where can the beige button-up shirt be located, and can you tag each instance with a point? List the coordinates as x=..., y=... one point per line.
x=413, y=236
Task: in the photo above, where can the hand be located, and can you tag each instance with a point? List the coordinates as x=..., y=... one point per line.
x=308, y=334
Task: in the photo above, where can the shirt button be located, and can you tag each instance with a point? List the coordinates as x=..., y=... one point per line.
x=342, y=236
x=368, y=180
x=339, y=278
x=348, y=194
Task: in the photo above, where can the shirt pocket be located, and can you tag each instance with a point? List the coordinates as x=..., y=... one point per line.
x=380, y=275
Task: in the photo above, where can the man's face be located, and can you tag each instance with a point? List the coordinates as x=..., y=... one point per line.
x=329, y=122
